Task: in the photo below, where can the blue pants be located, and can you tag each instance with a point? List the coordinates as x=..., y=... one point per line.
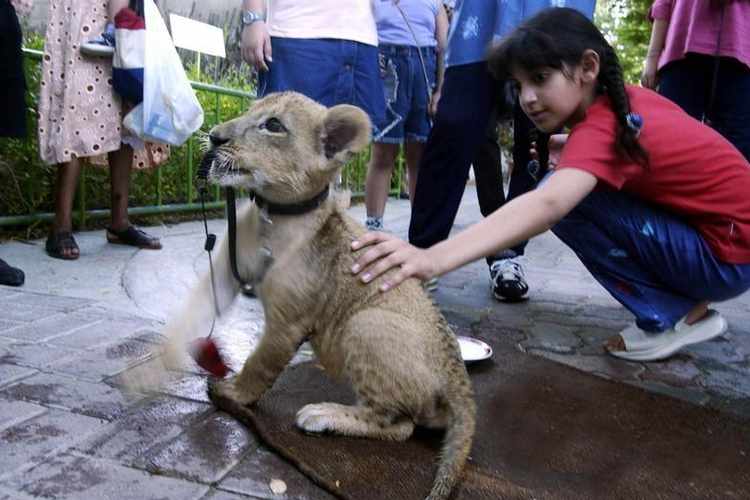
x=407, y=94
x=688, y=81
x=328, y=71
x=652, y=262
x=459, y=138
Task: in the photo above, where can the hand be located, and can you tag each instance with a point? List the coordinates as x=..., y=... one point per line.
x=649, y=79
x=554, y=147
x=388, y=252
x=434, y=100
x=256, y=45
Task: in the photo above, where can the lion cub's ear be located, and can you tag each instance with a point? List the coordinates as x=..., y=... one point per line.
x=346, y=131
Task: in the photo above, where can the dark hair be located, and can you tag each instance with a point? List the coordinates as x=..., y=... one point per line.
x=557, y=38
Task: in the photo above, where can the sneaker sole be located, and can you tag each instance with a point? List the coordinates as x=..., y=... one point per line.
x=670, y=348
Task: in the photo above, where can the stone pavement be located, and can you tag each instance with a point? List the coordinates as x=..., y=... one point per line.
x=67, y=430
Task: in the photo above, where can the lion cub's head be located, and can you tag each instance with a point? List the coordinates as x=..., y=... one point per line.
x=287, y=147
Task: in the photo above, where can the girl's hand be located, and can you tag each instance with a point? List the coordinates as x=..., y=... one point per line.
x=648, y=77
x=434, y=100
x=388, y=252
x=555, y=147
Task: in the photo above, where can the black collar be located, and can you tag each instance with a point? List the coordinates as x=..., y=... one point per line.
x=298, y=208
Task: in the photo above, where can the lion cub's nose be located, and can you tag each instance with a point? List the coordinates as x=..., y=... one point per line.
x=216, y=140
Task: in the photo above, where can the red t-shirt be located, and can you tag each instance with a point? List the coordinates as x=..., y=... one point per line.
x=694, y=172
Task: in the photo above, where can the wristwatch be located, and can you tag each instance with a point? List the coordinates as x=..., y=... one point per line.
x=249, y=17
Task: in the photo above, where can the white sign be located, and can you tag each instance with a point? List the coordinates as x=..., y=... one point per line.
x=197, y=36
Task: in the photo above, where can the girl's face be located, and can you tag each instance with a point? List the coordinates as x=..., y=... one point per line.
x=554, y=98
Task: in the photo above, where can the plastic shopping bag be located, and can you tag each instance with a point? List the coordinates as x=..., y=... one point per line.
x=170, y=111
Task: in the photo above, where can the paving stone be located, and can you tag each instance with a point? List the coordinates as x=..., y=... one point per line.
x=690, y=394
x=105, y=361
x=6, y=324
x=46, y=301
x=15, y=412
x=674, y=372
x=604, y=366
x=73, y=477
x=253, y=476
x=727, y=382
x=10, y=374
x=150, y=423
x=52, y=326
x=26, y=313
x=205, y=452
x=102, y=333
x=40, y=356
x=29, y=441
x=8, y=494
x=86, y=398
x=220, y=495
x=7, y=293
x=720, y=350
x=551, y=337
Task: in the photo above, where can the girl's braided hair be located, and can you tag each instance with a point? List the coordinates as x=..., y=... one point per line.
x=557, y=38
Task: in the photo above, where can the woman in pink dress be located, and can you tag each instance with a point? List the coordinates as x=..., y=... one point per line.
x=80, y=119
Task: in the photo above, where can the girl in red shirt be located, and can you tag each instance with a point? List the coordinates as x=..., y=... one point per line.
x=652, y=201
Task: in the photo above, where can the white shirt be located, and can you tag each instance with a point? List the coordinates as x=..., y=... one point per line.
x=339, y=19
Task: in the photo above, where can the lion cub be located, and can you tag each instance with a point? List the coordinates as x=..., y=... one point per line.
x=396, y=349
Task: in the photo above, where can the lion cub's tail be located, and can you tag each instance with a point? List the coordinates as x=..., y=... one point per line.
x=458, y=438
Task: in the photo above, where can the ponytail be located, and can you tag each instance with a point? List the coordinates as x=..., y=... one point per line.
x=628, y=123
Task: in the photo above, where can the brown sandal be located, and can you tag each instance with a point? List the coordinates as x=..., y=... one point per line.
x=60, y=241
x=134, y=237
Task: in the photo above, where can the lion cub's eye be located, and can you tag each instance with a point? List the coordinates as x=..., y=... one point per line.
x=273, y=125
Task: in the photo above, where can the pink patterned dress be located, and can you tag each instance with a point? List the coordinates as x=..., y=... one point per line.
x=79, y=113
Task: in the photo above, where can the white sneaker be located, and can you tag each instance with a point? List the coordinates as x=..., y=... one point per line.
x=645, y=346
x=508, y=280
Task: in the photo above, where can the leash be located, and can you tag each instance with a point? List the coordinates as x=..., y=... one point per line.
x=419, y=50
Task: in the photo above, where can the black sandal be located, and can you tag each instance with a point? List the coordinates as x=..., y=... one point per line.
x=134, y=237
x=9, y=275
x=58, y=242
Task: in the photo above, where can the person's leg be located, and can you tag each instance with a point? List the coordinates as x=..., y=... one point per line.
x=413, y=155
x=686, y=82
x=120, y=163
x=60, y=243
x=652, y=262
x=458, y=130
x=378, y=181
x=121, y=231
x=730, y=115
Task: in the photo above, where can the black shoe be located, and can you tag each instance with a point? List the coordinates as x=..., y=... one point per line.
x=508, y=280
x=10, y=276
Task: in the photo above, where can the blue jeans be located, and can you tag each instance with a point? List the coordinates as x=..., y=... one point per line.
x=407, y=95
x=461, y=137
x=688, y=81
x=328, y=71
x=651, y=261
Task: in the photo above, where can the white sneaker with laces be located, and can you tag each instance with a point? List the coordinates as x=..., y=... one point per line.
x=508, y=280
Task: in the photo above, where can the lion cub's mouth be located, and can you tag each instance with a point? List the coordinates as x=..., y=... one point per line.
x=220, y=166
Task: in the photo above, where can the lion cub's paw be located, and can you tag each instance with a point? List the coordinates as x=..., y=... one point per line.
x=227, y=389
x=321, y=417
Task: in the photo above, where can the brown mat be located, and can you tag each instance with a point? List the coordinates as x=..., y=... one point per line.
x=543, y=431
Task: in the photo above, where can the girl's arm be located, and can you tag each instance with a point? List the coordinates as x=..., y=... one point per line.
x=516, y=221
x=441, y=35
x=22, y=7
x=655, y=47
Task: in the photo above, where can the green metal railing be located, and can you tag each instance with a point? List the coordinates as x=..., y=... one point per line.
x=353, y=178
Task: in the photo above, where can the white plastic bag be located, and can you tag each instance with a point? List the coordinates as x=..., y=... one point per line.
x=170, y=111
